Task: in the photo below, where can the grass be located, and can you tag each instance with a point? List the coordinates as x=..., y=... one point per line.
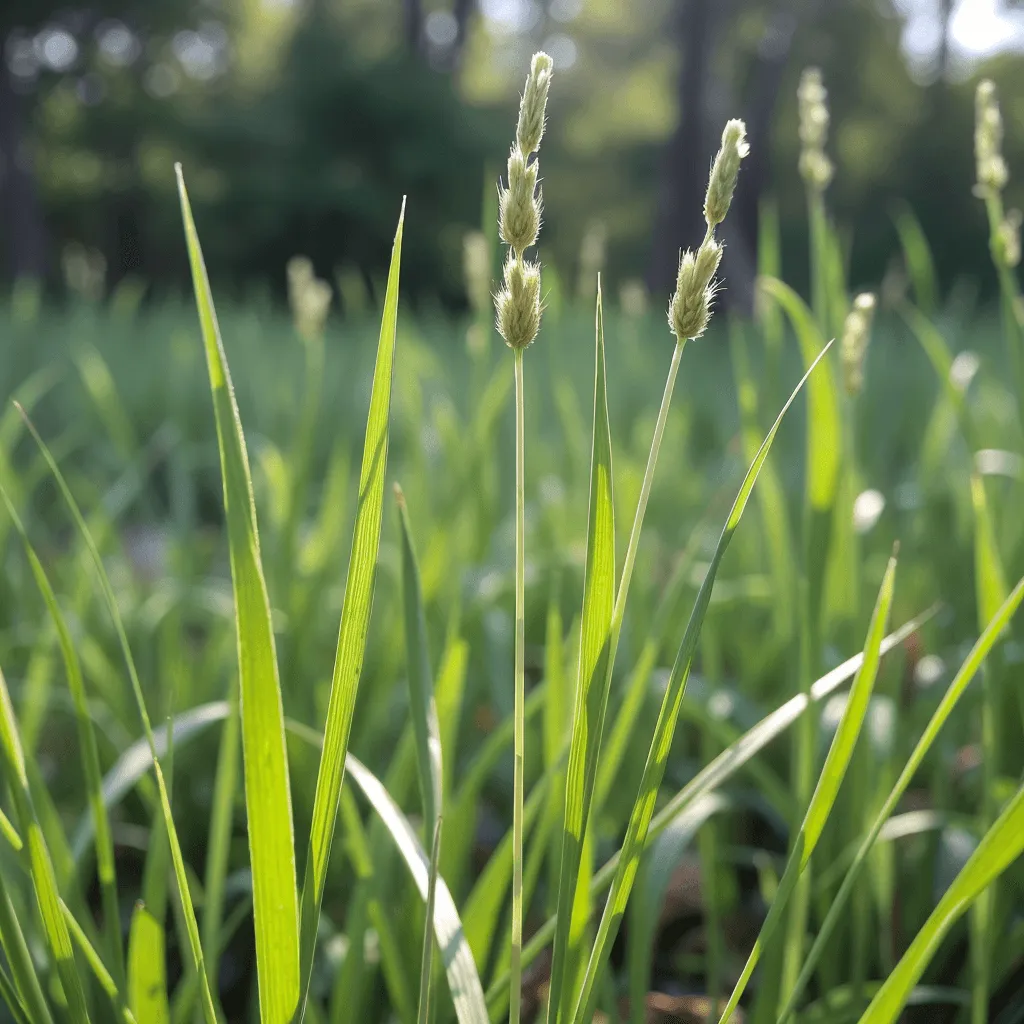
x=191, y=579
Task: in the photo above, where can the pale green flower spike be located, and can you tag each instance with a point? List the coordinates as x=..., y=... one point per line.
x=724, y=172
x=856, y=334
x=993, y=173
x=309, y=298
x=815, y=167
x=517, y=304
x=1008, y=238
x=530, y=129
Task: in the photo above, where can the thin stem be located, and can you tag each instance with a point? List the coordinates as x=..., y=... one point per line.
x=515, y=964
x=641, y=509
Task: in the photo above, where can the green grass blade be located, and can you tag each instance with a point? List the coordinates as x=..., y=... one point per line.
x=427, y=959
x=992, y=633
x=96, y=965
x=456, y=957
x=660, y=860
x=355, y=618
x=421, y=684
x=998, y=849
x=824, y=451
x=147, y=985
x=714, y=775
x=991, y=591
x=657, y=757
x=823, y=799
x=88, y=752
x=917, y=255
x=267, y=793
x=593, y=680
x=41, y=867
x=19, y=959
x=9, y=995
x=165, y=805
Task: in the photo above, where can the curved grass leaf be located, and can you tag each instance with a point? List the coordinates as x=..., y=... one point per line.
x=657, y=757
x=355, y=620
x=979, y=652
x=832, y=774
x=714, y=775
x=421, y=684
x=660, y=860
x=593, y=679
x=23, y=972
x=460, y=968
x=918, y=257
x=88, y=751
x=110, y=600
x=44, y=880
x=998, y=849
x=147, y=983
x=267, y=792
x=9, y=995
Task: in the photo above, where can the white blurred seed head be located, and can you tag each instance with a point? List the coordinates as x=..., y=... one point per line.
x=854, y=346
x=993, y=173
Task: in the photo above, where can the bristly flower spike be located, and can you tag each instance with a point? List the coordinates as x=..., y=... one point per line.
x=517, y=304
x=988, y=140
x=856, y=335
x=815, y=167
x=690, y=308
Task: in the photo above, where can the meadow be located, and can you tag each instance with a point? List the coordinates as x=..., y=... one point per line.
x=133, y=578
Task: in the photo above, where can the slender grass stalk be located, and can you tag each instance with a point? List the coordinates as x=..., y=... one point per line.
x=688, y=315
x=518, y=309
x=519, y=713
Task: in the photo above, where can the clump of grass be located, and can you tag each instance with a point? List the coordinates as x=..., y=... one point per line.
x=319, y=947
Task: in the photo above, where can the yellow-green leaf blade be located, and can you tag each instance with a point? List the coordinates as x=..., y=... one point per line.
x=355, y=617
x=998, y=849
x=267, y=792
x=594, y=675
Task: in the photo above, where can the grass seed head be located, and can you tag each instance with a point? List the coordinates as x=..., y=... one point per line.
x=518, y=303
x=1008, y=239
x=724, y=172
x=815, y=166
x=993, y=173
x=309, y=298
x=690, y=308
x=856, y=334
x=530, y=129
x=476, y=269
x=519, y=203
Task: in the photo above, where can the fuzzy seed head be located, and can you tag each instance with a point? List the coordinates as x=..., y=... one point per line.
x=1008, y=239
x=724, y=172
x=988, y=140
x=519, y=204
x=815, y=167
x=856, y=334
x=476, y=269
x=690, y=308
x=309, y=298
x=518, y=303
x=530, y=129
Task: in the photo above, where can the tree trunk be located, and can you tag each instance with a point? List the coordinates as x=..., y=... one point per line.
x=20, y=211
x=412, y=11
x=679, y=217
